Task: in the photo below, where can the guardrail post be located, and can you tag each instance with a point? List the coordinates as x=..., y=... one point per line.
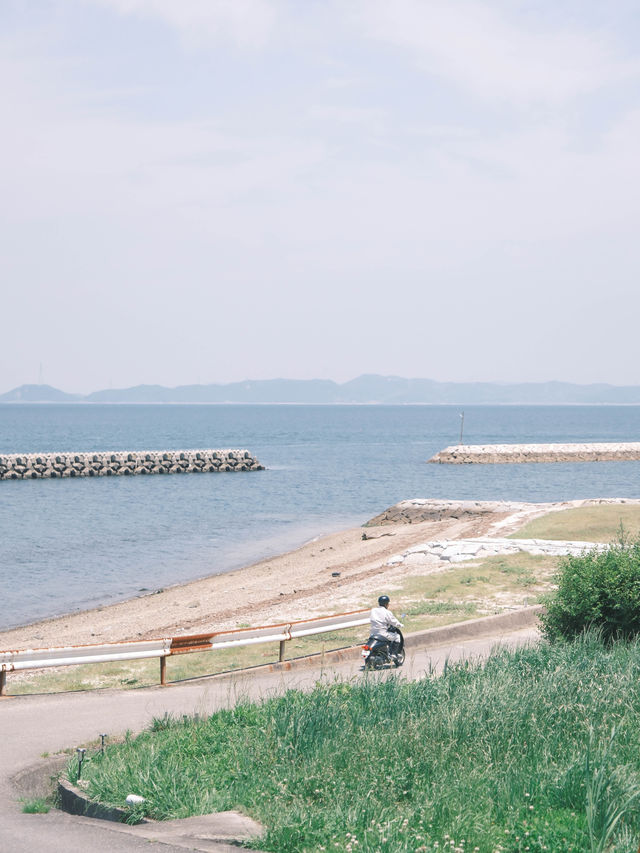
x=163, y=671
x=3, y=681
x=287, y=631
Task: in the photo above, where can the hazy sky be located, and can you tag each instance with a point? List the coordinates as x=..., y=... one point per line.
x=215, y=190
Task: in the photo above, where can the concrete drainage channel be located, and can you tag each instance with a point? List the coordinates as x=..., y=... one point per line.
x=220, y=832
x=220, y=828
x=226, y=830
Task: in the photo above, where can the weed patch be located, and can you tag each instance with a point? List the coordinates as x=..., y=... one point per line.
x=36, y=806
x=519, y=753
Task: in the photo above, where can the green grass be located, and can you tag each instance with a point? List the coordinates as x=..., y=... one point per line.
x=537, y=750
x=585, y=524
x=484, y=583
x=36, y=806
x=448, y=609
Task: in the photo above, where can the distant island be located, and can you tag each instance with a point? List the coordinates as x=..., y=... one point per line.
x=367, y=389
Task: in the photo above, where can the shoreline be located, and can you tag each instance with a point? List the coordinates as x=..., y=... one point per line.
x=332, y=573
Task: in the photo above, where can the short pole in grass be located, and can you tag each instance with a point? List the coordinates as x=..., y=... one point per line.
x=102, y=740
x=81, y=753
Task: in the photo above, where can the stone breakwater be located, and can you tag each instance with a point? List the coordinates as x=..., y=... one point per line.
x=433, y=509
x=34, y=466
x=504, y=513
x=491, y=453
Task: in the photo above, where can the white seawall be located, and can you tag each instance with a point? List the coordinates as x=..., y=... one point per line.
x=464, y=454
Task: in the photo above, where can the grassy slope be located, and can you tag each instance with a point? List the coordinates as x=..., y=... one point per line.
x=585, y=524
x=483, y=759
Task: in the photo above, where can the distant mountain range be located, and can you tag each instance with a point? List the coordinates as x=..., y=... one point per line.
x=365, y=389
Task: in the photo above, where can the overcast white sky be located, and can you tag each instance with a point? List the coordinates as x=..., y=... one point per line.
x=215, y=190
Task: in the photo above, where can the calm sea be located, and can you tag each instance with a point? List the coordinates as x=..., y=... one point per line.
x=72, y=544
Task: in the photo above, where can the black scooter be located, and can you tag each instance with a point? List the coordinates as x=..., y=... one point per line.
x=383, y=654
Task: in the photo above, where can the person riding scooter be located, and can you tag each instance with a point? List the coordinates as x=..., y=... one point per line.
x=381, y=621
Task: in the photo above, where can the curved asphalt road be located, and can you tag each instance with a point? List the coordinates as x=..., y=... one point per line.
x=33, y=725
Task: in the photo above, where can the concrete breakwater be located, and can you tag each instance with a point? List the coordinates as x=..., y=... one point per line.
x=491, y=453
x=33, y=466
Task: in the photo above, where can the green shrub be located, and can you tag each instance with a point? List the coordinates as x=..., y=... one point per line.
x=598, y=590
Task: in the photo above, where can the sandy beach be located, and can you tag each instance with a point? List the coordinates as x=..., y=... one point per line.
x=334, y=573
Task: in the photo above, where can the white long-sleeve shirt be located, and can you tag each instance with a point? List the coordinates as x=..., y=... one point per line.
x=381, y=618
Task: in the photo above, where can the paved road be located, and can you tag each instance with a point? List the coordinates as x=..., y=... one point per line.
x=33, y=725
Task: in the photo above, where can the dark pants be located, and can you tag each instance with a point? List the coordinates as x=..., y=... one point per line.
x=393, y=645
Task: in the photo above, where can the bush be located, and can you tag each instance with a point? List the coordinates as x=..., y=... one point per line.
x=598, y=590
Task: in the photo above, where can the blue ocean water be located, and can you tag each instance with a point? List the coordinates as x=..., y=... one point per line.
x=72, y=544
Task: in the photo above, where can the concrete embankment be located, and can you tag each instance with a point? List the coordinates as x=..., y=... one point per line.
x=482, y=547
x=33, y=466
x=491, y=453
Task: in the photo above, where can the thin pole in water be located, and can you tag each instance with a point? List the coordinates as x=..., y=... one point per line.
x=461, y=425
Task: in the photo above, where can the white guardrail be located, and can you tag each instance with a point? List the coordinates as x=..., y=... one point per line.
x=23, y=659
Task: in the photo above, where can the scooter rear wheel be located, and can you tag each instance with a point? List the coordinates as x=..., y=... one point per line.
x=399, y=658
